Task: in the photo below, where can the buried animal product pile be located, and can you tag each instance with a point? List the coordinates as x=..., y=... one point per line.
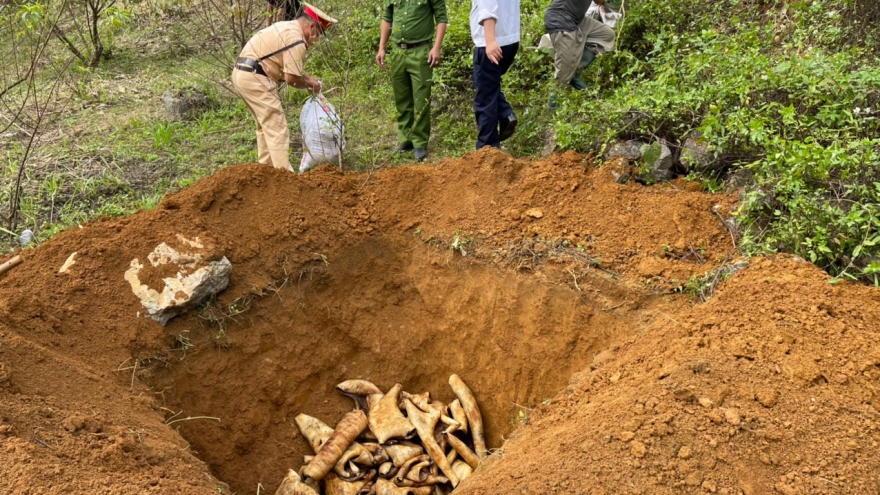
x=393, y=443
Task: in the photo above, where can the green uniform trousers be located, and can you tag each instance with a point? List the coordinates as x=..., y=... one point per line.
x=411, y=80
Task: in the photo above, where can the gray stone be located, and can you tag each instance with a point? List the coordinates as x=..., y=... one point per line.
x=191, y=278
x=184, y=104
x=695, y=155
x=658, y=163
x=631, y=150
x=742, y=178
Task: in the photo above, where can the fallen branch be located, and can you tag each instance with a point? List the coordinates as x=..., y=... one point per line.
x=12, y=263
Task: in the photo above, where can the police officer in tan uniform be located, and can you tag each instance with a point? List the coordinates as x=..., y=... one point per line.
x=277, y=53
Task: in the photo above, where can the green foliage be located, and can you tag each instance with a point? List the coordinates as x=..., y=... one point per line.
x=32, y=16
x=786, y=90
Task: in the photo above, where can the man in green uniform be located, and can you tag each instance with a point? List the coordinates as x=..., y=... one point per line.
x=410, y=26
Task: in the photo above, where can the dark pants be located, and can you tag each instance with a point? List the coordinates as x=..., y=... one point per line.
x=490, y=105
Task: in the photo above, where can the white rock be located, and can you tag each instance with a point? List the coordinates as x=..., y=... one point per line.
x=194, y=279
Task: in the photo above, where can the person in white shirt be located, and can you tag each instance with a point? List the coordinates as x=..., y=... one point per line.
x=495, y=29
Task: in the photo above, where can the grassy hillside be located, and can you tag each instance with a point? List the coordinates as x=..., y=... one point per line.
x=785, y=90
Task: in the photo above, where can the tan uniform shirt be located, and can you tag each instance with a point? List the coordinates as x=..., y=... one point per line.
x=274, y=38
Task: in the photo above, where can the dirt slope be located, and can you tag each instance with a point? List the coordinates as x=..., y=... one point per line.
x=340, y=276
x=771, y=387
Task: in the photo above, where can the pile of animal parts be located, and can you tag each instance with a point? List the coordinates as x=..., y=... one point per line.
x=392, y=443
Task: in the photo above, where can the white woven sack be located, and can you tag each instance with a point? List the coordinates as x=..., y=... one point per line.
x=322, y=133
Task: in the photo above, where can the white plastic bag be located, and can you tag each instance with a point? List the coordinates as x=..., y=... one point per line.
x=322, y=132
x=608, y=16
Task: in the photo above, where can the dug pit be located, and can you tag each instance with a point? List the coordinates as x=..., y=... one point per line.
x=385, y=313
x=516, y=275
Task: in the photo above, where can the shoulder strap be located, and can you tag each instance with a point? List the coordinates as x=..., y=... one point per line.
x=276, y=52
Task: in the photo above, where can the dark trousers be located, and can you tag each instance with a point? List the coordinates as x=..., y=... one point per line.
x=490, y=105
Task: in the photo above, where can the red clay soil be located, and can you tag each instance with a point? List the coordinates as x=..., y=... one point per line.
x=339, y=276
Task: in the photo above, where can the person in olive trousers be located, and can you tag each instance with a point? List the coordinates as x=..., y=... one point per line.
x=410, y=25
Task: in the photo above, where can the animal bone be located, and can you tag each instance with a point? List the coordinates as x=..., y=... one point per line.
x=462, y=469
x=358, y=390
x=386, y=487
x=293, y=485
x=403, y=451
x=386, y=420
x=459, y=415
x=472, y=411
x=334, y=485
x=464, y=451
x=349, y=428
x=425, y=421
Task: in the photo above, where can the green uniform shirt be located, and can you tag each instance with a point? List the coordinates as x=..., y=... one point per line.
x=413, y=21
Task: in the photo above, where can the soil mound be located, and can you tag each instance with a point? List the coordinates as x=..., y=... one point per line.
x=771, y=387
x=515, y=274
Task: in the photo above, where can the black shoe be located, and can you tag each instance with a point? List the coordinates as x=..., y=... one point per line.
x=578, y=83
x=421, y=154
x=507, y=127
x=404, y=147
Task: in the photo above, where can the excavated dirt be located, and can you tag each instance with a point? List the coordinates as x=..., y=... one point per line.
x=554, y=306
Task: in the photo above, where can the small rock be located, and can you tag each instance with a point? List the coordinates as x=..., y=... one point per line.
x=767, y=397
x=710, y=486
x=638, y=449
x=695, y=155
x=693, y=479
x=658, y=159
x=705, y=402
x=785, y=489
x=732, y=416
x=616, y=377
x=71, y=260
x=685, y=453
x=631, y=150
x=183, y=104
x=625, y=436
x=534, y=213
x=514, y=214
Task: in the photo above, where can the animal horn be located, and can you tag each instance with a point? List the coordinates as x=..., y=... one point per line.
x=386, y=420
x=425, y=421
x=293, y=485
x=358, y=390
x=459, y=415
x=386, y=487
x=429, y=481
x=472, y=411
x=419, y=471
x=317, y=433
x=402, y=452
x=334, y=485
x=349, y=428
x=462, y=469
x=464, y=451
x=314, y=430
